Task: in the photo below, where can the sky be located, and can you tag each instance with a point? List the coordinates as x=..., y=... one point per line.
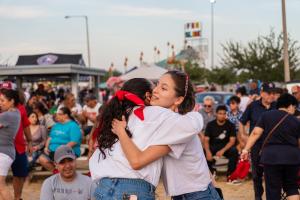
x=124, y=28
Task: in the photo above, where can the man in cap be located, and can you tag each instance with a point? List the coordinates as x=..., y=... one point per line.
x=252, y=113
x=67, y=184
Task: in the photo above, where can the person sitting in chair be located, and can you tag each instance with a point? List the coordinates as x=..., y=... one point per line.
x=220, y=137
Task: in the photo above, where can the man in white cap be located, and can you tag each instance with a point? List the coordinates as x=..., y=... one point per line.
x=67, y=184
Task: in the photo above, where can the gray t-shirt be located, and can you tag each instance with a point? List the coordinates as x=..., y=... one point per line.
x=9, y=125
x=54, y=188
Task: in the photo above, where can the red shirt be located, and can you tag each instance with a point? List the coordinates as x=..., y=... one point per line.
x=20, y=143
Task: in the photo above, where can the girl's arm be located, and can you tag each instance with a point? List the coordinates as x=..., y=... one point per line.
x=181, y=128
x=137, y=158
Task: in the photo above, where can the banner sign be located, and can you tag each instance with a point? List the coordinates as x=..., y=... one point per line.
x=193, y=30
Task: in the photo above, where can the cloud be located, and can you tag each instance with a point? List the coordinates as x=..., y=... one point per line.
x=125, y=10
x=21, y=12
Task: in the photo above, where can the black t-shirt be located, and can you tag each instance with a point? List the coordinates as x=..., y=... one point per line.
x=282, y=146
x=219, y=135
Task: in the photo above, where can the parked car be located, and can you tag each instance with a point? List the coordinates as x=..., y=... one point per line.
x=220, y=98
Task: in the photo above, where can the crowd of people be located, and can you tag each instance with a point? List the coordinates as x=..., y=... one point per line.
x=144, y=132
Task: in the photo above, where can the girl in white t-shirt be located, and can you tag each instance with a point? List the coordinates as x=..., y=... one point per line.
x=148, y=127
x=185, y=176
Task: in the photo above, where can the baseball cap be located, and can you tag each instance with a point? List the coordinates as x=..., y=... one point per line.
x=8, y=85
x=268, y=87
x=63, y=152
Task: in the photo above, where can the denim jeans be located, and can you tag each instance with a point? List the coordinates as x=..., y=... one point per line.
x=123, y=189
x=35, y=156
x=209, y=194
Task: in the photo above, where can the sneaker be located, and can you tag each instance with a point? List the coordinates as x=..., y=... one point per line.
x=234, y=182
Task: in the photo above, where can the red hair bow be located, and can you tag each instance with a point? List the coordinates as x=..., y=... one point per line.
x=121, y=95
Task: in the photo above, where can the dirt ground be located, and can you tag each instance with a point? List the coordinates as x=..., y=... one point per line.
x=231, y=192
x=244, y=191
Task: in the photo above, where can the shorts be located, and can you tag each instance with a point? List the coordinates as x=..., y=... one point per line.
x=5, y=163
x=19, y=166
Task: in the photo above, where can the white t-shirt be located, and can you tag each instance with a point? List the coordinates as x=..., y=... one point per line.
x=244, y=103
x=187, y=174
x=93, y=112
x=160, y=127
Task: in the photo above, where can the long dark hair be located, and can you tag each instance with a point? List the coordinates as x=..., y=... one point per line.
x=184, y=88
x=115, y=109
x=11, y=95
x=36, y=115
x=67, y=111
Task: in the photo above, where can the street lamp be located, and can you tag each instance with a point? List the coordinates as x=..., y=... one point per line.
x=285, y=45
x=212, y=3
x=87, y=34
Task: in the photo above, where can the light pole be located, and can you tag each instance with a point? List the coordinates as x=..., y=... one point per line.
x=212, y=3
x=285, y=45
x=87, y=34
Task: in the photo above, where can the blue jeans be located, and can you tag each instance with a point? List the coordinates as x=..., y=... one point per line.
x=35, y=156
x=209, y=194
x=123, y=189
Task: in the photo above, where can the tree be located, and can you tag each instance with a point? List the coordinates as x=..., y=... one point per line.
x=261, y=59
x=221, y=76
x=196, y=73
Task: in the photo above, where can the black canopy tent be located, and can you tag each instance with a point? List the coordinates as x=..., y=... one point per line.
x=50, y=58
x=52, y=67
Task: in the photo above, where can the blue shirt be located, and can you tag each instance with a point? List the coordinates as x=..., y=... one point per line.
x=252, y=114
x=62, y=134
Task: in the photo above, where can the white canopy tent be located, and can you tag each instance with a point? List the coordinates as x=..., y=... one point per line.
x=151, y=72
